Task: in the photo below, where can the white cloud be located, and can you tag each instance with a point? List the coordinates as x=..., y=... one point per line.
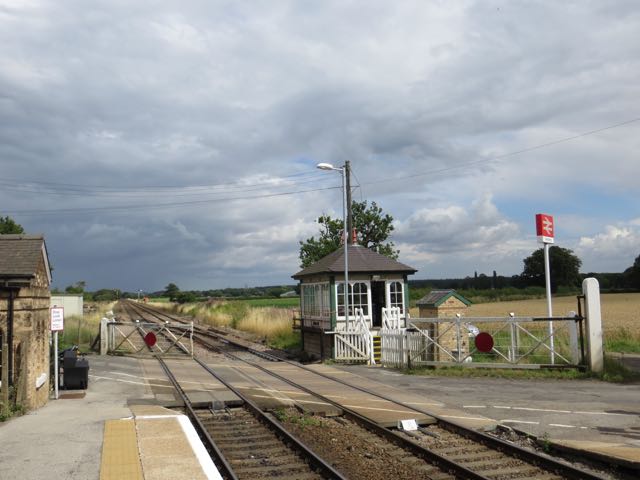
x=612, y=250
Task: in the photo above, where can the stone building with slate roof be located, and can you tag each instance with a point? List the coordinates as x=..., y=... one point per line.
x=375, y=282
x=25, y=278
x=442, y=304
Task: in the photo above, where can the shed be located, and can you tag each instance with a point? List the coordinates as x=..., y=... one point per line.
x=441, y=303
x=25, y=277
x=438, y=304
x=73, y=303
x=375, y=282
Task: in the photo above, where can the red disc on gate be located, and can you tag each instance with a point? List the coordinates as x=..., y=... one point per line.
x=484, y=342
x=150, y=339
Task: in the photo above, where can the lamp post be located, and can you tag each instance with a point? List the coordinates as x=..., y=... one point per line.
x=343, y=171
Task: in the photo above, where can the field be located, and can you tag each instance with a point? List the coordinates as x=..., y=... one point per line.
x=620, y=315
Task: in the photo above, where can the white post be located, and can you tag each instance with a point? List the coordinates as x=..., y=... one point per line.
x=547, y=277
x=104, y=336
x=591, y=291
x=55, y=362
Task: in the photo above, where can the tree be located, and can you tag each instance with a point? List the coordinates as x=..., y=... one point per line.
x=632, y=275
x=186, y=297
x=564, y=265
x=171, y=291
x=77, y=287
x=371, y=225
x=7, y=225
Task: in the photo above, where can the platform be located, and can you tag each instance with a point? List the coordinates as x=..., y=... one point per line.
x=158, y=441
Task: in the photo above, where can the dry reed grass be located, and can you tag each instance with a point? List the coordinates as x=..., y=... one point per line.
x=267, y=322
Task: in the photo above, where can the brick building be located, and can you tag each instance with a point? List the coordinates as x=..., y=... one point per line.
x=25, y=277
x=443, y=304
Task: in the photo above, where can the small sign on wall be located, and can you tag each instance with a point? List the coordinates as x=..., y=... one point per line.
x=57, y=319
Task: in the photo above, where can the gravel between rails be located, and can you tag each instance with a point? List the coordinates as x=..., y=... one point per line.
x=357, y=453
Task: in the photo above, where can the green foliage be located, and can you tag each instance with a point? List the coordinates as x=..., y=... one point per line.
x=616, y=372
x=105, y=295
x=8, y=226
x=486, y=296
x=77, y=287
x=461, y=371
x=287, y=341
x=632, y=275
x=372, y=227
x=565, y=268
x=622, y=340
x=171, y=291
x=185, y=297
x=294, y=417
x=290, y=302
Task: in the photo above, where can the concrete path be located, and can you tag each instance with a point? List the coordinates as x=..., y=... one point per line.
x=64, y=438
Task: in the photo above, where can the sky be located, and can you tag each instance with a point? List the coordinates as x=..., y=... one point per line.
x=157, y=142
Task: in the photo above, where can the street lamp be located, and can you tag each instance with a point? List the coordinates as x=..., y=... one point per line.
x=343, y=170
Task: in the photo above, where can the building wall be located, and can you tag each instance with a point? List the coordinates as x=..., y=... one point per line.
x=318, y=344
x=448, y=338
x=72, y=304
x=31, y=339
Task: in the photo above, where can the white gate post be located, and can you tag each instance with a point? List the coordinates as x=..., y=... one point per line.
x=103, y=336
x=591, y=291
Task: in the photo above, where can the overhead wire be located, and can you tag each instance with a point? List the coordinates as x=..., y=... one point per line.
x=244, y=187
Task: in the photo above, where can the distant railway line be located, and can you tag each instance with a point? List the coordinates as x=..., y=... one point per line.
x=442, y=450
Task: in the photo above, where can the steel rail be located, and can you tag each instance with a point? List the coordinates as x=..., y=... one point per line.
x=221, y=460
x=489, y=441
x=476, y=436
x=431, y=457
x=326, y=470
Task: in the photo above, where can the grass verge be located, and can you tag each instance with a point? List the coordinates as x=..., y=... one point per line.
x=82, y=330
x=614, y=372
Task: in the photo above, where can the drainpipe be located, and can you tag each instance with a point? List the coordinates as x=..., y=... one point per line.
x=10, y=334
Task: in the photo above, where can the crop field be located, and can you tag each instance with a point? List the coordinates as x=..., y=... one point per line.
x=619, y=311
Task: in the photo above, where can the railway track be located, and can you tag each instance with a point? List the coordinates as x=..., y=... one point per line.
x=245, y=443
x=457, y=451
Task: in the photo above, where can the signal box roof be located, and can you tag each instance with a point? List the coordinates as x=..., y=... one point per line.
x=361, y=260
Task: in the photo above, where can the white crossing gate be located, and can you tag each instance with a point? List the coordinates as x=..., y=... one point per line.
x=355, y=344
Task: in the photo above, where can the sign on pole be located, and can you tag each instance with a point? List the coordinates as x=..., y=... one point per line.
x=545, y=231
x=57, y=319
x=57, y=325
x=545, y=228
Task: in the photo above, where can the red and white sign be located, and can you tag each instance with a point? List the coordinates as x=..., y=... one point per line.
x=544, y=228
x=57, y=319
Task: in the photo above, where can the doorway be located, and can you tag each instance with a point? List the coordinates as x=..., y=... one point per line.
x=378, y=301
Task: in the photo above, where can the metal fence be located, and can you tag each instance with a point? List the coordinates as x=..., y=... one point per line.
x=138, y=338
x=515, y=342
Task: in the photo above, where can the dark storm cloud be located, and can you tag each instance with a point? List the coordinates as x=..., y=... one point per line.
x=420, y=96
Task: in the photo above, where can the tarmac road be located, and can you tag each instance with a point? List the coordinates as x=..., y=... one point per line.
x=558, y=409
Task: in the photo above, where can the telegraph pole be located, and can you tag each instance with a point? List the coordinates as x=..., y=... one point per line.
x=347, y=179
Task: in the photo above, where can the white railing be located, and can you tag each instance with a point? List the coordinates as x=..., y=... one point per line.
x=127, y=338
x=392, y=318
x=355, y=344
x=486, y=341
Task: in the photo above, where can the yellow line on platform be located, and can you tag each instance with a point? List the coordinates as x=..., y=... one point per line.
x=120, y=459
